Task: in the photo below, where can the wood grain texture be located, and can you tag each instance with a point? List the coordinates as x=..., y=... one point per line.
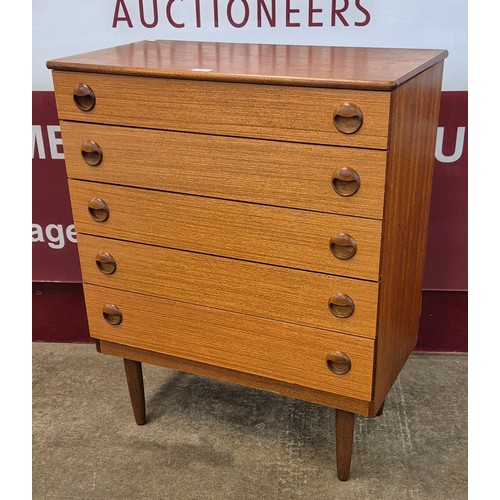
x=294, y=114
x=344, y=434
x=358, y=406
x=135, y=382
x=281, y=236
x=407, y=198
x=280, y=351
x=260, y=290
x=233, y=170
x=267, y=172
x=334, y=67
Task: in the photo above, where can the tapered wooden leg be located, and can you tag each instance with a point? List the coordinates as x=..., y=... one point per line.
x=344, y=436
x=133, y=370
x=380, y=410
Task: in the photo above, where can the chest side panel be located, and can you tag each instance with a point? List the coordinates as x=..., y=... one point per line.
x=404, y=232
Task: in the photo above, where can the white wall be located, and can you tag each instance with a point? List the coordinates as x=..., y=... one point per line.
x=67, y=27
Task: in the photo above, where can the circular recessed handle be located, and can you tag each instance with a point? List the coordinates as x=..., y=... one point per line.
x=341, y=305
x=348, y=118
x=112, y=314
x=98, y=209
x=338, y=362
x=91, y=153
x=343, y=246
x=346, y=181
x=105, y=262
x=84, y=97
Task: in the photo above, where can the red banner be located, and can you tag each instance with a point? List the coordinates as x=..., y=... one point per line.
x=55, y=256
x=446, y=264
x=54, y=252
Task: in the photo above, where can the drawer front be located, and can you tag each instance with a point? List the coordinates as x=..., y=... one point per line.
x=295, y=114
x=267, y=172
x=280, y=351
x=281, y=236
x=261, y=290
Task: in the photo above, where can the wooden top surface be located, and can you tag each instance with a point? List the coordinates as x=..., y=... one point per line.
x=308, y=66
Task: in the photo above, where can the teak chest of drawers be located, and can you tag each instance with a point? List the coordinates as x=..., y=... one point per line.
x=254, y=213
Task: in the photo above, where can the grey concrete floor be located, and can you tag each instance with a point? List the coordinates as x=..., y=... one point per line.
x=211, y=440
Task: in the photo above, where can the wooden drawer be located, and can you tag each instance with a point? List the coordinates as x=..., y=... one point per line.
x=273, y=173
x=297, y=114
x=281, y=236
x=280, y=351
x=261, y=290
